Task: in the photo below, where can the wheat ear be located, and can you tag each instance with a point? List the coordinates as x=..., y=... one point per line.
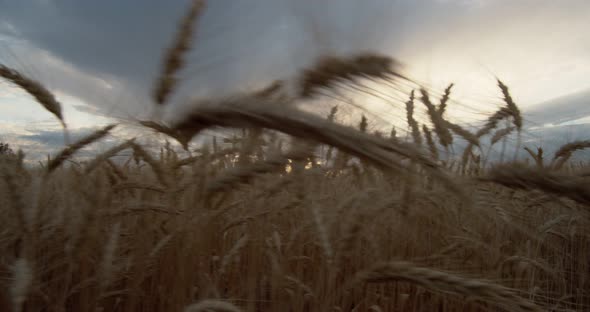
x=41, y=94
x=174, y=59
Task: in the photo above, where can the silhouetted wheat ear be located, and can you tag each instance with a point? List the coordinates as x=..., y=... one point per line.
x=565, y=152
x=363, y=124
x=415, y=128
x=567, y=149
x=493, y=121
x=330, y=70
x=174, y=59
x=35, y=89
x=512, y=107
x=76, y=146
x=440, y=125
x=444, y=100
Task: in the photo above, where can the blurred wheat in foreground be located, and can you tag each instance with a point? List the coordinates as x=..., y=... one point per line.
x=295, y=212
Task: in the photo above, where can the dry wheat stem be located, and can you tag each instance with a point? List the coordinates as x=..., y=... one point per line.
x=73, y=148
x=35, y=89
x=463, y=133
x=98, y=160
x=565, y=152
x=500, y=134
x=245, y=113
x=22, y=279
x=521, y=177
x=447, y=283
x=161, y=174
x=430, y=142
x=212, y=305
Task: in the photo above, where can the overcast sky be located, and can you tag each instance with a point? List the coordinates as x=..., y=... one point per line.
x=101, y=57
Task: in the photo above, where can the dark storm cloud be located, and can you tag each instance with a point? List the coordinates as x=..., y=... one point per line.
x=108, y=52
x=237, y=43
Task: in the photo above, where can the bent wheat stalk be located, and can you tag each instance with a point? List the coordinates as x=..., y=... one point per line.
x=565, y=152
x=41, y=94
x=93, y=164
x=161, y=128
x=435, y=280
x=247, y=113
x=212, y=305
x=73, y=148
x=528, y=178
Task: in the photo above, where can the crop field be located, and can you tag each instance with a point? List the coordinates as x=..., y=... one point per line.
x=295, y=211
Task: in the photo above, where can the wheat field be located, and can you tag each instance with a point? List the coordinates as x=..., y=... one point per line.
x=296, y=212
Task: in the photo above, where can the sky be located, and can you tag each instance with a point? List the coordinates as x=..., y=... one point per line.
x=101, y=57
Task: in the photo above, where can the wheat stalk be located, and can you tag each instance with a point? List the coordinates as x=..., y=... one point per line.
x=21, y=285
x=538, y=157
x=73, y=148
x=465, y=134
x=430, y=142
x=99, y=159
x=500, y=134
x=440, y=125
x=515, y=176
x=245, y=174
x=565, y=152
x=232, y=253
x=444, y=100
x=155, y=165
x=35, y=89
x=174, y=58
x=512, y=107
x=243, y=113
x=447, y=283
x=411, y=121
x=212, y=305
x=493, y=121
x=271, y=90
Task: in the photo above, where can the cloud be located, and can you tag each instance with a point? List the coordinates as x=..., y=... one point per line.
x=79, y=45
x=107, y=53
x=55, y=138
x=562, y=110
